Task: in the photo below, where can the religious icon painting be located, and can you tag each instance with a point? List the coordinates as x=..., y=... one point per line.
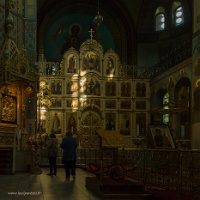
x=72, y=88
x=140, y=89
x=140, y=105
x=71, y=120
x=110, y=65
x=56, y=102
x=90, y=86
x=72, y=63
x=56, y=122
x=56, y=87
x=97, y=102
x=84, y=102
x=72, y=103
x=125, y=104
x=125, y=123
x=91, y=61
x=97, y=88
x=110, y=121
x=125, y=89
x=8, y=109
x=93, y=87
x=162, y=137
x=110, y=88
x=110, y=104
x=140, y=124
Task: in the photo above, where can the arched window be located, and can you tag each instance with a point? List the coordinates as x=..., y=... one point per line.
x=179, y=19
x=177, y=13
x=160, y=19
x=166, y=107
x=160, y=22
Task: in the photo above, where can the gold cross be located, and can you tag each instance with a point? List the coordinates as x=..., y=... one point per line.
x=91, y=33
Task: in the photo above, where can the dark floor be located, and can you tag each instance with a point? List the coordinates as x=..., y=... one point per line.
x=24, y=186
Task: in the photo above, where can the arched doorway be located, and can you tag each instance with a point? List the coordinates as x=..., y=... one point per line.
x=91, y=120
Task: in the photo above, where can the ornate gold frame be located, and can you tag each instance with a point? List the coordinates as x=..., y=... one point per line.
x=8, y=108
x=161, y=136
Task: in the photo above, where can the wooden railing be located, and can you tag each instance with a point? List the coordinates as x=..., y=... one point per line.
x=169, y=61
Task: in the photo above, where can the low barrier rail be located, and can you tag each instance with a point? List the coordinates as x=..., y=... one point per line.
x=173, y=170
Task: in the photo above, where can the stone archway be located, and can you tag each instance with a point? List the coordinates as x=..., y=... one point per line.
x=90, y=122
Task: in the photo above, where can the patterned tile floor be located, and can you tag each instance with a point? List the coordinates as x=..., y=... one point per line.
x=24, y=186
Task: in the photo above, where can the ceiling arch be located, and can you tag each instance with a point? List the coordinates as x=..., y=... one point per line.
x=117, y=19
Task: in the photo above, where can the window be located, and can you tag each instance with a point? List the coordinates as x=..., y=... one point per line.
x=160, y=19
x=165, y=107
x=177, y=13
x=160, y=22
x=179, y=16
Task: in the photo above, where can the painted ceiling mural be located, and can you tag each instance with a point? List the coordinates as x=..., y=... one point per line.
x=72, y=31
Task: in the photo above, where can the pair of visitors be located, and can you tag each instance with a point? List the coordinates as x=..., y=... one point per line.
x=69, y=145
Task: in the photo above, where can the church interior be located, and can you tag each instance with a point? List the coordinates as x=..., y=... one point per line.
x=122, y=75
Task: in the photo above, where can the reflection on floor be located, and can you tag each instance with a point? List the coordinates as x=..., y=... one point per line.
x=24, y=186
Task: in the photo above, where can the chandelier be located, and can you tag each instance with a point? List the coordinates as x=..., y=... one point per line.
x=98, y=19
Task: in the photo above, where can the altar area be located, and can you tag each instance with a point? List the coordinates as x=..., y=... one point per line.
x=86, y=91
x=89, y=90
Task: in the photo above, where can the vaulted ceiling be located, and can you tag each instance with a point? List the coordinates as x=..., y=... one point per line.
x=123, y=22
x=119, y=20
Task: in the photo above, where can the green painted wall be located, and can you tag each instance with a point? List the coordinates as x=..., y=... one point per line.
x=60, y=32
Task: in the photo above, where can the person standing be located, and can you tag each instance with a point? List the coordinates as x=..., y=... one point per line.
x=52, y=147
x=69, y=146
